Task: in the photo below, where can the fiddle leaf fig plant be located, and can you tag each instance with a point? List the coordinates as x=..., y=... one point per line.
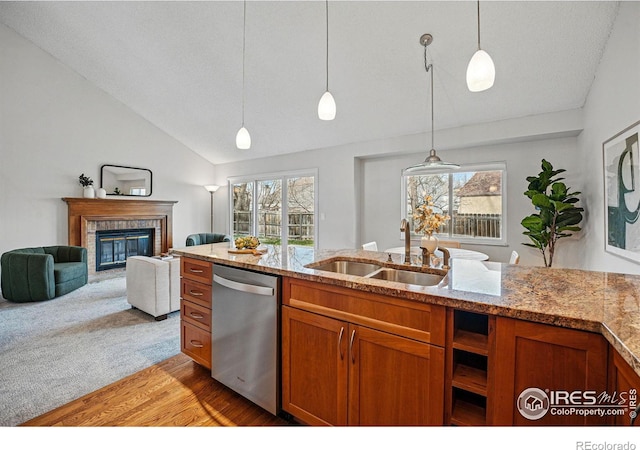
x=557, y=217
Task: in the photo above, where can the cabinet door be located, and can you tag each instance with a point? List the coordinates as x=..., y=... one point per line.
x=624, y=381
x=394, y=380
x=548, y=358
x=314, y=367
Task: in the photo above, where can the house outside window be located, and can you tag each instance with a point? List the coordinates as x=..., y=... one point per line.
x=473, y=196
x=278, y=208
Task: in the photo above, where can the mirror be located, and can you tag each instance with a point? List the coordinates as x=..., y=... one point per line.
x=129, y=181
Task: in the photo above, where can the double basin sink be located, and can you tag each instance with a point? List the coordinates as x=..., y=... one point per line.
x=370, y=270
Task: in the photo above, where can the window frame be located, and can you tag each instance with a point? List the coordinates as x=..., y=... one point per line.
x=472, y=167
x=283, y=176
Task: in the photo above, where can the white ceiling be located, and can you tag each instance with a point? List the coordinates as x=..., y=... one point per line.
x=179, y=64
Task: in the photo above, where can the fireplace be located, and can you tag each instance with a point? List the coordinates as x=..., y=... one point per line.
x=113, y=247
x=87, y=217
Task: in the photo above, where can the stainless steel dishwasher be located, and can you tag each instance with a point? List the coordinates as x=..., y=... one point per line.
x=244, y=334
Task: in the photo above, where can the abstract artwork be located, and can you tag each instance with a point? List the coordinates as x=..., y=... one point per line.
x=622, y=193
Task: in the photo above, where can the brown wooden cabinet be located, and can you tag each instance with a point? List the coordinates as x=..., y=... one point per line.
x=549, y=358
x=314, y=367
x=195, y=310
x=343, y=365
x=624, y=380
x=469, y=367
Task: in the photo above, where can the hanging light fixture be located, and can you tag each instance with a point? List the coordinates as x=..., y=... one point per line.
x=327, y=105
x=243, y=138
x=432, y=161
x=481, y=72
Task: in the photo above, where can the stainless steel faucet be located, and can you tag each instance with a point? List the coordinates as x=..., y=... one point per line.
x=406, y=227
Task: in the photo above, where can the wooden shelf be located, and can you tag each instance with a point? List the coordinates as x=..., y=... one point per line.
x=467, y=414
x=471, y=342
x=470, y=379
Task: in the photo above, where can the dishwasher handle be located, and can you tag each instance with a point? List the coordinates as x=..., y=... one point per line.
x=250, y=288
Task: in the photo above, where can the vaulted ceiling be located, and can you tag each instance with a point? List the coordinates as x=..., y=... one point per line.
x=179, y=64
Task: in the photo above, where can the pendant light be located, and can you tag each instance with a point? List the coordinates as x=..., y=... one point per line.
x=481, y=72
x=327, y=105
x=243, y=138
x=432, y=161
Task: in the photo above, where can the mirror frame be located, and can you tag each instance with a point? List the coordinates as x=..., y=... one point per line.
x=150, y=175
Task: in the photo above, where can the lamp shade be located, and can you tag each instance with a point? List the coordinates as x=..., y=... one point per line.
x=212, y=187
x=327, y=107
x=481, y=73
x=243, y=139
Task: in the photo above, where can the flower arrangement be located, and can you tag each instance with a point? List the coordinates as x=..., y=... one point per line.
x=428, y=220
x=85, y=181
x=247, y=242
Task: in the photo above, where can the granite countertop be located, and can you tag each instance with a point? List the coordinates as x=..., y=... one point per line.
x=601, y=302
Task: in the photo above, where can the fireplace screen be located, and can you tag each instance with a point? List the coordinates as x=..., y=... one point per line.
x=113, y=247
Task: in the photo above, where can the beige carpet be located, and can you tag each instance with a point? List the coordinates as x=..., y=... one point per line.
x=55, y=351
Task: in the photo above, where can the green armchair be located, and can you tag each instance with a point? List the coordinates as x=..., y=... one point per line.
x=42, y=273
x=207, y=238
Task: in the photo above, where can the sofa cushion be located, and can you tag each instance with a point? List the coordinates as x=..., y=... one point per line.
x=63, y=272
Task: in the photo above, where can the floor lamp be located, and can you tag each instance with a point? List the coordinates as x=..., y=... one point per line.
x=212, y=188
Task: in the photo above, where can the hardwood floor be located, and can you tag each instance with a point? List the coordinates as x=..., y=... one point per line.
x=176, y=392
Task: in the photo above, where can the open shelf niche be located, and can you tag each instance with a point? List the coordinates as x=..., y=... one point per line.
x=468, y=364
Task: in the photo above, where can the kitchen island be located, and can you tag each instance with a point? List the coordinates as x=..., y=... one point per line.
x=570, y=319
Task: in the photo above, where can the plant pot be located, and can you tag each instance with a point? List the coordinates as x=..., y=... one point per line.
x=430, y=243
x=89, y=192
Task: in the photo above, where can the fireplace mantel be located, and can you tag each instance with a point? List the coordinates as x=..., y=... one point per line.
x=84, y=210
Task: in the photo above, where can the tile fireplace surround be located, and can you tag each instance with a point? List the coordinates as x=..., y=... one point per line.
x=88, y=215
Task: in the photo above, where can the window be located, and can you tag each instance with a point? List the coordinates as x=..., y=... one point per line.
x=262, y=208
x=473, y=196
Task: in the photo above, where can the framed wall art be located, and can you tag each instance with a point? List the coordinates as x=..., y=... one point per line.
x=622, y=193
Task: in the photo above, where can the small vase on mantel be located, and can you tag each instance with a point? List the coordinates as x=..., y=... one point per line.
x=89, y=192
x=101, y=193
x=429, y=242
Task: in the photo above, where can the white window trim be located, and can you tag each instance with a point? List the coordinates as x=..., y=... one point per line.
x=475, y=167
x=283, y=177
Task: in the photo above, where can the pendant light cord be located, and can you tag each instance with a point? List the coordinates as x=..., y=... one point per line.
x=478, y=24
x=429, y=69
x=326, y=4
x=244, y=28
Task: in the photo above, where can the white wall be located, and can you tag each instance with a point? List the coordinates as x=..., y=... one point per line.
x=613, y=105
x=54, y=125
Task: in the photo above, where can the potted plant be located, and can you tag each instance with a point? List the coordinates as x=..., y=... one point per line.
x=557, y=215
x=87, y=184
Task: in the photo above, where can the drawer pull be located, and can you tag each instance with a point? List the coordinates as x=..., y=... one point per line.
x=195, y=293
x=340, y=343
x=196, y=270
x=196, y=344
x=196, y=315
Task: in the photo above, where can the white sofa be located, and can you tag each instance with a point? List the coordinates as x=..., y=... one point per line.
x=153, y=285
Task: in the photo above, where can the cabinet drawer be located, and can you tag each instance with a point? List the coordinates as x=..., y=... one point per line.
x=196, y=343
x=196, y=315
x=196, y=292
x=415, y=320
x=197, y=270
